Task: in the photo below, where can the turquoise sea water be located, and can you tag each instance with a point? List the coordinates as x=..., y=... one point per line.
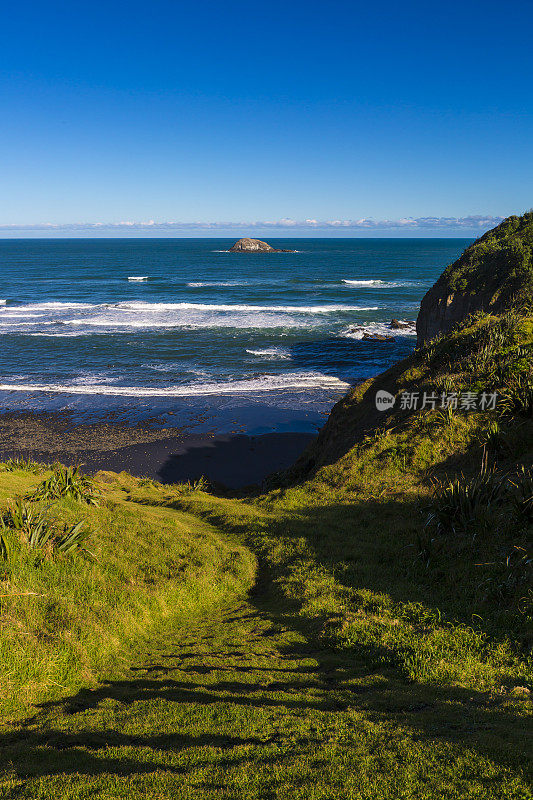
x=143, y=326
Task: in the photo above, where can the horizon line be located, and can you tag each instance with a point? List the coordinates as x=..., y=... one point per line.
x=477, y=223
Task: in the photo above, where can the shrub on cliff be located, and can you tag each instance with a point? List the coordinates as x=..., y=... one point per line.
x=500, y=260
x=493, y=275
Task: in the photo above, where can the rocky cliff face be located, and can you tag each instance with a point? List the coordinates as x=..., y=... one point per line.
x=494, y=273
x=254, y=246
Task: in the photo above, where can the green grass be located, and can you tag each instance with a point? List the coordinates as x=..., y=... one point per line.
x=500, y=260
x=240, y=704
x=67, y=482
x=64, y=616
x=323, y=640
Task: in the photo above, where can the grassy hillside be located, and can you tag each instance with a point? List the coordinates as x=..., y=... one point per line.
x=484, y=353
x=384, y=651
x=65, y=615
x=410, y=565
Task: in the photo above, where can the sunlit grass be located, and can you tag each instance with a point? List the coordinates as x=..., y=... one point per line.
x=365, y=632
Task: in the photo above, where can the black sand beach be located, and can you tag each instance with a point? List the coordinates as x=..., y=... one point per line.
x=169, y=455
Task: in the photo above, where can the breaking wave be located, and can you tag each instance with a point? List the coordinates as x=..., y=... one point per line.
x=266, y=383
x=123, y=315
x=324, y=309
x=376, y=283
x=207, y=284
x=379, y=328
x=271, y=353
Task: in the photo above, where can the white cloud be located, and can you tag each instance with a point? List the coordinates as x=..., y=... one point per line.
x=470, y=223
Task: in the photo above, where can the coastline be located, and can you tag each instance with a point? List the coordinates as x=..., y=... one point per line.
x=233, y=459
x=175, y=359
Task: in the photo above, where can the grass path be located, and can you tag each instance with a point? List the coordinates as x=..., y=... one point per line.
x=239, y=704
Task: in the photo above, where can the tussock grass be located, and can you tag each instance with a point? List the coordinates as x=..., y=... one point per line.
x=23, y=464
x=67, y=482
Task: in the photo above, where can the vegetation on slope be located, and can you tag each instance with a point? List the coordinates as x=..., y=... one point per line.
x=493, y=275
x=66, y=611
x=386, y=649
x=499, y=262
x=484, y=353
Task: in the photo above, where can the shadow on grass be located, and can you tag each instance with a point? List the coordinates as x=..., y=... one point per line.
x=373, y=546
x=333, y=684
x=54, y=752
x=218, y=664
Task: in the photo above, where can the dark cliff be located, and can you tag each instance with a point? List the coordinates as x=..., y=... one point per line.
x=493, y=274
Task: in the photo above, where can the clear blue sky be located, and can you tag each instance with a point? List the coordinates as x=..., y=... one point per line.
x=238, y=112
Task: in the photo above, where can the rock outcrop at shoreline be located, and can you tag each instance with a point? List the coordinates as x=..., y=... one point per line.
x=494, y=273
x=367, y=334
x=255, y=246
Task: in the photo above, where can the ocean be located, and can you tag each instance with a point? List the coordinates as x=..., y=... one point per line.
x=174, y=328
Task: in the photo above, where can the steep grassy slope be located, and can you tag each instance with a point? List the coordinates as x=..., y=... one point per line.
x=491, y=353
x=493, y=274
x=366, y=539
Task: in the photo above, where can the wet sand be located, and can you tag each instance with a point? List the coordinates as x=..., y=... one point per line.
x=169, y=455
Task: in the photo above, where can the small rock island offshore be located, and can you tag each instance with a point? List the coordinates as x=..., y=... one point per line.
x=255, y=246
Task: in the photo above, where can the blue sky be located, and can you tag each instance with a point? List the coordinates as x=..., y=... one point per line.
x=175, y=118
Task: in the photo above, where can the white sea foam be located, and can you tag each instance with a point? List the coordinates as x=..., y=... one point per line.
x=364, y=282
x=91, y=379
x=326, y=309
x=238, y=282
x=22, y=322
x=376, y=283
x=180, y=367
x=380, y=328
x=271, y=353
x=267, y=383
x=138, y=277
x=134, y=315
x=20, y=315
x=54, y=306
x=3, y=302
x=201, y=284
x=58, y=335
x=110, y=322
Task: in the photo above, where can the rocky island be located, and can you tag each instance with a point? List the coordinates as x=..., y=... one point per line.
x=255, y=246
